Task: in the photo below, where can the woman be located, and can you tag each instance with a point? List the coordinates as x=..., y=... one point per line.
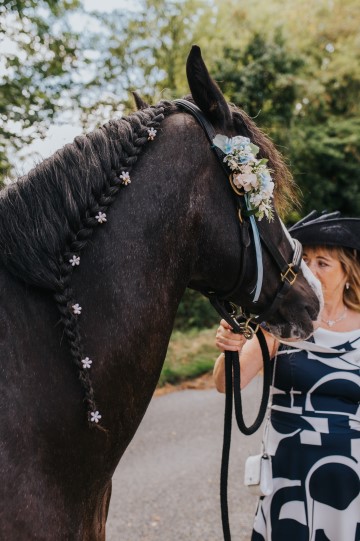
x=314, y=427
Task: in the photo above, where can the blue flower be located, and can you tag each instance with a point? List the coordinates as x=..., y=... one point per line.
x=265, y=178
x=246, y=158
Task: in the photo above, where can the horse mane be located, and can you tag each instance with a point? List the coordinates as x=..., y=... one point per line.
x=49, y=214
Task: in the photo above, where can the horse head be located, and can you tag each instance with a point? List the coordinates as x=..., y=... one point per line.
x=286, y=301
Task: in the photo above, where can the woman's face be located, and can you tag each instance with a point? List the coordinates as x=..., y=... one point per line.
x=327, y=268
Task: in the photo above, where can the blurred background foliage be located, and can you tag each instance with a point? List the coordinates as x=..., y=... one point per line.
x=293, y=66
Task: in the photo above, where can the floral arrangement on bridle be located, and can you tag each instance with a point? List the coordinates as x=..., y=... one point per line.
x=249, y=175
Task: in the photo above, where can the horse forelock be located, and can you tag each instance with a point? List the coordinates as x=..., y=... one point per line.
x=51, y=210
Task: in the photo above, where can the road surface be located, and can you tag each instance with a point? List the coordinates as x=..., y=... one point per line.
x=166, y=487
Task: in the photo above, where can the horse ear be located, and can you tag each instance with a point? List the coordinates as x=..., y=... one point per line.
x=140, y=103
x=206, y=93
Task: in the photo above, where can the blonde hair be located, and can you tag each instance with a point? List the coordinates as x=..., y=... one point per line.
x=350, y=263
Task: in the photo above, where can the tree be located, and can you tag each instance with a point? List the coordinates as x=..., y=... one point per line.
x=36, y=71
x=145, y=50
x=326, y=164
x=262, y=78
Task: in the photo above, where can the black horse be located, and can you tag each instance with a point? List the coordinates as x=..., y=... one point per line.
x=174, y=225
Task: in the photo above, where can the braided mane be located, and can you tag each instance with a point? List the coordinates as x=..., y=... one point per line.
x=50, y=212
x=49, y=215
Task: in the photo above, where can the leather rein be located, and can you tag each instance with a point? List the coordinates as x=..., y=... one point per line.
x=242, y=323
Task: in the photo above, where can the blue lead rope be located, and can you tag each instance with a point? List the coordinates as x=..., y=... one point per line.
x=258, y=252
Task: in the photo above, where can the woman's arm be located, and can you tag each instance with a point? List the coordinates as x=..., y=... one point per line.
x=251, y=356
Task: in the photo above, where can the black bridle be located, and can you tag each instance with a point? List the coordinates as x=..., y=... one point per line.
x=239, y=320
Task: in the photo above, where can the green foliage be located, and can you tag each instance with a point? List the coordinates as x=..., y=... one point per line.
x=190, y=354
x=326, y=163
x=36, y=71
x=195, y=312
x=145, y=50
x=260, y=78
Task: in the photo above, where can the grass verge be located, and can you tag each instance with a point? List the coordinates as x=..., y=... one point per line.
x=190, y=355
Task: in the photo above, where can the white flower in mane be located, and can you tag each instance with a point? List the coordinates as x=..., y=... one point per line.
x=75, y=260
x=95, y=416
x=77, y=309
x=152, y=134
x=101, y=217
x=86, y=362
x=249, y=174
x=125, y=178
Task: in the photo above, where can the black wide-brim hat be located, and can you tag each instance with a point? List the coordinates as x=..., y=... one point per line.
x=327, y=229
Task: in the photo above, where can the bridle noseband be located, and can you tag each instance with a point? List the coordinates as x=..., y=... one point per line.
x=242, y=322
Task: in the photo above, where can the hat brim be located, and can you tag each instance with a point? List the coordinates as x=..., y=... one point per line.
x=339, y=232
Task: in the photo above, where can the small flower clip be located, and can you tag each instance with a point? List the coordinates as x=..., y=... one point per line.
x=101, y=217
x=86, y=362
x=95, y=416
x=152, y=133
x=76, y=309
x=75, y=260
x=125, y=178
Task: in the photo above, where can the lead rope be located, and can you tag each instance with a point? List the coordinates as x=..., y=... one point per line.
x=232, y=387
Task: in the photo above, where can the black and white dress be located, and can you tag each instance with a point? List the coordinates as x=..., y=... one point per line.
x=314, y=440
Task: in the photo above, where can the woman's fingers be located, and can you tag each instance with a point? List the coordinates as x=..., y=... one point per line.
x=227, y=340
x=225, y=324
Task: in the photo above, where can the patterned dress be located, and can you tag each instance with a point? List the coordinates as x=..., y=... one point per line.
x=314, y=441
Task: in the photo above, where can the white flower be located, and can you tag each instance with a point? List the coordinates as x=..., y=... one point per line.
x=95, y=416
x=101, y=217
x=267, y=191
x=75, y=260
x=248, y=181
x=76, y=309
x=152, y=133
x=86, y=362
x=256, y=199
x=233, y=164
x=125, y=177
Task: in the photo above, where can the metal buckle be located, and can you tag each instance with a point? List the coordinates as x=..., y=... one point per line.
x=285, y=276
x=247, y=331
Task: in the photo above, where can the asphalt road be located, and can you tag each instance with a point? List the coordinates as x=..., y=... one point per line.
x=166, y=487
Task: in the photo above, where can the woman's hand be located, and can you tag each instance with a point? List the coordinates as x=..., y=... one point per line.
x=228, y=340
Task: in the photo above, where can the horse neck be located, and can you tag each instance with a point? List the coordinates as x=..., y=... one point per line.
x=135, y=271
